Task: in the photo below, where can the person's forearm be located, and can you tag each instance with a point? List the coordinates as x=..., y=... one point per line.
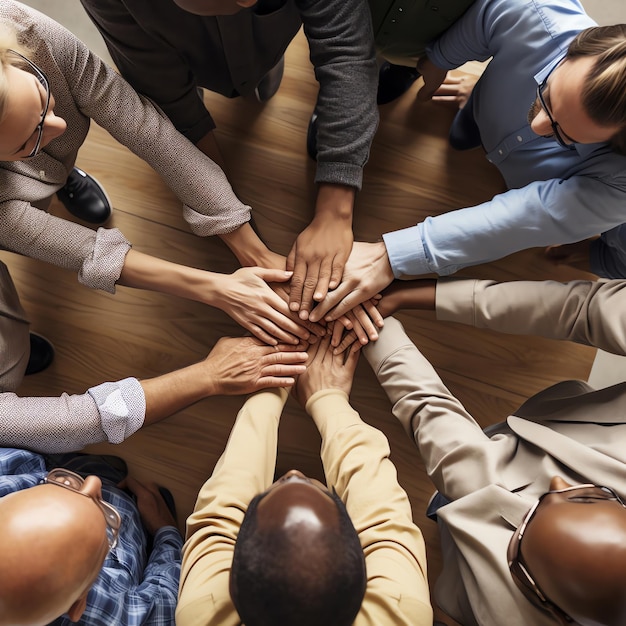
x=143, y=271
x=586, y=312
x=172, y=392
x=331, y=411
x=410, y=294
x=246, y=245
x=336, y=203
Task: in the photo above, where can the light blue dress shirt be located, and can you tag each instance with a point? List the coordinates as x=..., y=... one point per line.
x=555, y=195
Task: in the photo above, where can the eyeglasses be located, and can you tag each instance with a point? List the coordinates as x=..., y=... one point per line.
x=562, y=139
x=69, y=480
x=41, y=77
x=519, y=570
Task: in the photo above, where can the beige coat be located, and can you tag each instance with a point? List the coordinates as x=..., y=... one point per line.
x=356, y=462
x=568, y=430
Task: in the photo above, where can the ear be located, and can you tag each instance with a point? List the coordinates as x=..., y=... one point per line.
x=78, y=608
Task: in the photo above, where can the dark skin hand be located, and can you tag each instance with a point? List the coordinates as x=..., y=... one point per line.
x=319, y=254
x=152, y=508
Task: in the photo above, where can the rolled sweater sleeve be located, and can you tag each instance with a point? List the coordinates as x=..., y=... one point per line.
x=109, y=412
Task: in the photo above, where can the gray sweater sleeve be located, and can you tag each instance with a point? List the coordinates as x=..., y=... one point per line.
x=341, y=44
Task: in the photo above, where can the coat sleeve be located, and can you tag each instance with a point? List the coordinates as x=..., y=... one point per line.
x=357, y=465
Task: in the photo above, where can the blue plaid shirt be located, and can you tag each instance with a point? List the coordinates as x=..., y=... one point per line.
x=132, y=589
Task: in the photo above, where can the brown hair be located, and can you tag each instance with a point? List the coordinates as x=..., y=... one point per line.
x=604, y=93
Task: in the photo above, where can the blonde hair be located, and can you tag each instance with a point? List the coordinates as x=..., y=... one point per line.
x=604, y=93
x=8, y=42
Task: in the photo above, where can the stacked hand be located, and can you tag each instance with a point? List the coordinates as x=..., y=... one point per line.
x=325, y=370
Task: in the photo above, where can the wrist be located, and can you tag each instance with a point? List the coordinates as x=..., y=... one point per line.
x=336, y=203
x=246, y=245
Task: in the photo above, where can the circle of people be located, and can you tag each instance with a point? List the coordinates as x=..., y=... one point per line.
x=531, y=512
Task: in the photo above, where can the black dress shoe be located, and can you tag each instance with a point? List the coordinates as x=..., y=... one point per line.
x=311, y=137
x=84, y=197
x=41, y=354
x=166, y=494
x=269, y=84
x=393, y=81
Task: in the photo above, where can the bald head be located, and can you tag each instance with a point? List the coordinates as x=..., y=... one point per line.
x=297, y=558
x=575, y=550
x=53, y=542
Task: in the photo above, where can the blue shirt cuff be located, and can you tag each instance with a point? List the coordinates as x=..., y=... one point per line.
x=406, y=252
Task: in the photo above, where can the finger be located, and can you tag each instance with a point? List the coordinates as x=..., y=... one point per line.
x=310, y=285
x=291, y=259
x=284, y=328
x=273, y=275
x=359, y=329
x=366, y=323
x=296, y=284
x=326, y=349
x=293, y=335
x=135, y=486
x=352, y=359
x=344, y=321
x=337, y=273
x=356, y=347
x=343, y=307
x=269, y=382
x=346, y=342
x=372, y=311
x=453, y=80
x=262, y=335
x=319, y=330
x=285, y=347
x=323, y=279
x=446, y=90
x=284, y=358
x=330, y=301
x=282, y=370
x=337, y=334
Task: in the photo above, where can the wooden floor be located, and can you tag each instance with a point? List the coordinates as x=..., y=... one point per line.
x=412, y=173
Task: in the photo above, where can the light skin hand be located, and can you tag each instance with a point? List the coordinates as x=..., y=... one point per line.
x=455, y=90
x=245, y=365
x=320, y=252
x=325, y=370
x=364, y=320
x=362, y=324
x=316, y=329
x=367, y=273
x=245, y=294
x=250, y=251
x=433, y=78
x=412, y=294
x=246, y=297
x=152, y=508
